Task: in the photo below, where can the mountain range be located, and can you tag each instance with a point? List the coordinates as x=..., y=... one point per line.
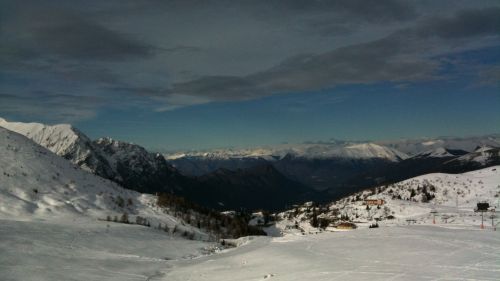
x=340, y=168
x=264, y=178
x=134, y=168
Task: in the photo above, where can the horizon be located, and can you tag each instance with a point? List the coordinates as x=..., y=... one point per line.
x=182, y=75
x=330, y=141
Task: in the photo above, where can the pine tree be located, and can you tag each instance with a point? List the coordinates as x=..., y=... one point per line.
x=124, y=218
x=314, y=219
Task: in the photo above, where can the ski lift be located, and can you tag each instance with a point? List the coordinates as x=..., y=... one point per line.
x=482, y=207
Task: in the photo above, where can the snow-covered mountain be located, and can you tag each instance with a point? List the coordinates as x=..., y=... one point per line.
x=133, y=167
x=65, y=141
x=36, y=183
x=309, y=151
x=416, y=146
x=482, y=155
x=130, y=165
x=440, y=152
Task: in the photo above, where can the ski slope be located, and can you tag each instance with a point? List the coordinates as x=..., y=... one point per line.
x=90, y=250
x=87, y=250
x=391, y=253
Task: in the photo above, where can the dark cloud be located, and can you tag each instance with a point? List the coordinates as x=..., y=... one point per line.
x=55, y=32
x=464, y=24
x=382, y=11
x=80, y=39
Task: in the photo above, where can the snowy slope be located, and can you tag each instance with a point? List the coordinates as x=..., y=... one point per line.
x=453, y=196
x=397, y=253
x=35, y=183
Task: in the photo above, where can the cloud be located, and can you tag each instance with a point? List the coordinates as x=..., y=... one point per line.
x=407, y=55
x=170, y=54
x=489, y=75
x=52, y=31
x=468, y=23
x=50, y=107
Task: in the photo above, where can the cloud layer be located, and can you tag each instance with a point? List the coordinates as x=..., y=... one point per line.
x=79, y=57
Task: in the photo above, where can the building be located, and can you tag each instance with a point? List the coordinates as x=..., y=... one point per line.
x=346, y=225
x=374, y=202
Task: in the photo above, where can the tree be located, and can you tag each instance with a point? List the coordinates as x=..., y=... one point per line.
x=120, y=202
x=139, y=220
x=314, y=219
x=413, y=193
x=124, y=218
x=324, y=223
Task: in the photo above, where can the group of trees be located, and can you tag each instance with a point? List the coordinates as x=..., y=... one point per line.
x=122, y=219
x=213, y=222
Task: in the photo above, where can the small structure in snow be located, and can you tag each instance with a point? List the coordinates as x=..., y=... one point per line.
x=482, y=206
x=346, y=225
x=374, y=202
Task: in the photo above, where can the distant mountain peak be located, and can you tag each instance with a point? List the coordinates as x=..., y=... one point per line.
x=441, y=152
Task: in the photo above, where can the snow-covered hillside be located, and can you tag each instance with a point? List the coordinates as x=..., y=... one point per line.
x=453, y=196
x=37, y=184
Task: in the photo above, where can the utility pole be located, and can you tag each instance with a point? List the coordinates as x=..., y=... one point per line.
x=492, y=217
x=433, y=212
x=482, y=220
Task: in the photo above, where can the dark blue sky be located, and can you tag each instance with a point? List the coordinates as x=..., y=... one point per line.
x=202, y=74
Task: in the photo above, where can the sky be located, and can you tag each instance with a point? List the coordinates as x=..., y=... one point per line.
x=177, y=75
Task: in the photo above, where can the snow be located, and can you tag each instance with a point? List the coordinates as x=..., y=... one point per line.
x=310, y=151
x=416, y=146
x=50, y=230
x=481, y=155
x=435, y=153
x=90, y=250
x=63, y=140
x=454, y=197
x=83, y=249
x=57, y=138
x=37, y=184
x=387, y=253
x=52, y=227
